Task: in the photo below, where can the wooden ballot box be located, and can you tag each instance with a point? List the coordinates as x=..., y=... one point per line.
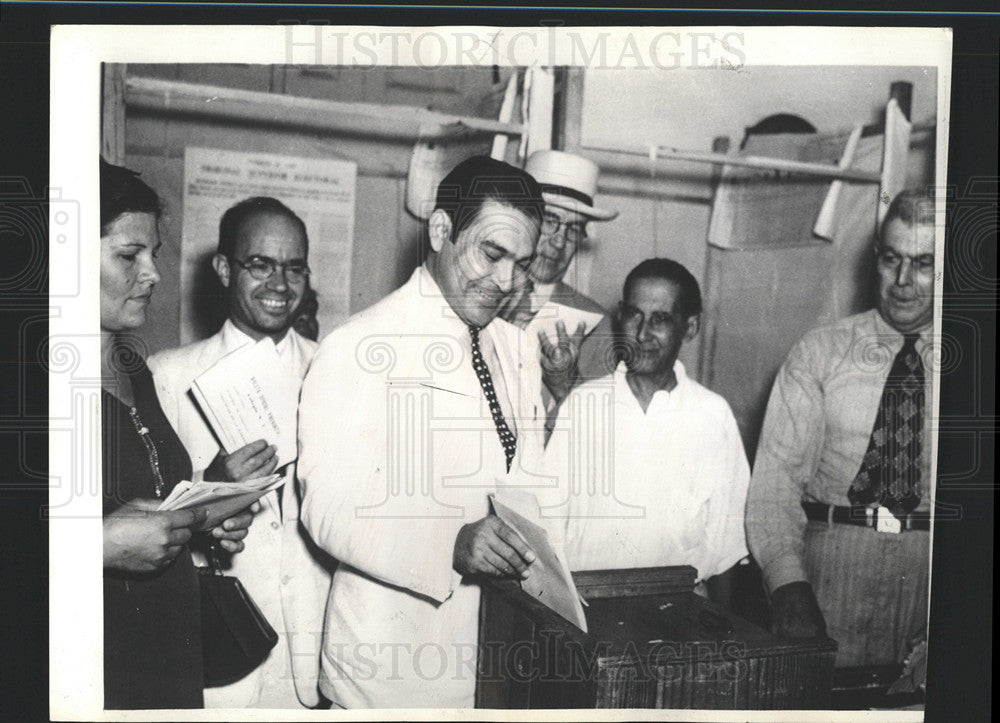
x=652, y=643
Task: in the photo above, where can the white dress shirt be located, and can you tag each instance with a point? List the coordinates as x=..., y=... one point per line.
x=662, y=487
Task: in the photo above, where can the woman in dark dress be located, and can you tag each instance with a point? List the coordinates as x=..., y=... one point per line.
x=152, y=618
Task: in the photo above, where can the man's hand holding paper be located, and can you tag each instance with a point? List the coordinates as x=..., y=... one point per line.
x=251, y=461
x=247, y=399
x=551, y=583
x=489, y=546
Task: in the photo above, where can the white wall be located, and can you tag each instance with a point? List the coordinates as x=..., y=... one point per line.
x=688, y=107
x=665, y=207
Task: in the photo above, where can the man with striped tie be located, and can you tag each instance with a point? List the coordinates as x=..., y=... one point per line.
x=838, y=508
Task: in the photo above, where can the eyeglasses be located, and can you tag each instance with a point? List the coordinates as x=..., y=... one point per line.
x=889, y=259
x=576, y=231
x=263, y=267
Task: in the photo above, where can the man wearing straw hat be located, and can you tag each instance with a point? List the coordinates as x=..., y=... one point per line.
x=569, y=325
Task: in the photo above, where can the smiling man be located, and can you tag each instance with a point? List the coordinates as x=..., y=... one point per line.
x=262, y=262
x=432, y=415
x=839, y=501
x=673, y=489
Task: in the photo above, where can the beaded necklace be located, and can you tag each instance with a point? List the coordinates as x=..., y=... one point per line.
x=154, y=458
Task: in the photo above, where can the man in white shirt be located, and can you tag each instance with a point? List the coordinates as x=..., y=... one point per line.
x=658, y=471
x=573, y=330
x=432, y=416
x=262, y=263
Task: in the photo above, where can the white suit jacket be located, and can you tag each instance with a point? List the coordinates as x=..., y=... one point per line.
x=414, y=457
x=287, y=581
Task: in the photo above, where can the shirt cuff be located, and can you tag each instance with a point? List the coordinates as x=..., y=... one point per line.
x=439, y=592
x=440, y=584
x=785, y=569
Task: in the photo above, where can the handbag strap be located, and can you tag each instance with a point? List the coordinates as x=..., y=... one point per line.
x=212, y=556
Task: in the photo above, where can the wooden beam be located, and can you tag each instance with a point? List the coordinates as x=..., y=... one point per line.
x=540, y=97
x=113, y=113
x=771, y=164
x=710, y=280
x=573, y=110
x=273, y=108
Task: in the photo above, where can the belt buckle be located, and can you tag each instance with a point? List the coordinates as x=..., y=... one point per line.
x=885, y=521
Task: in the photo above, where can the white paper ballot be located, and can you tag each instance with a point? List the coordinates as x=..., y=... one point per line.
x=550, y=581
x=221, y=499
x=249, y=395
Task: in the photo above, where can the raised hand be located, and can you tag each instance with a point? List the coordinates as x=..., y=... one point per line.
x=560, y=360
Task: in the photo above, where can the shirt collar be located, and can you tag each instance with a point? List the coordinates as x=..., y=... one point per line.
x=236, y=337
x=884, y=328
x=622, y=388
x=434, y=305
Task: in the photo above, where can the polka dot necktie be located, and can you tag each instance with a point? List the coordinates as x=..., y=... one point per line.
x=507, y=438
x=890, y=470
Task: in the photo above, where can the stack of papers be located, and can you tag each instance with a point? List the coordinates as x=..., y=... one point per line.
x=249, y=395
x=221, y=499
x=550, y=581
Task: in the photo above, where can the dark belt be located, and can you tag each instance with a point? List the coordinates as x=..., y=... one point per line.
x=863, y=516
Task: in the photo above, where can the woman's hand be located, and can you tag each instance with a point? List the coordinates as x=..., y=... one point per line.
x=137, y=538
x=232, y=530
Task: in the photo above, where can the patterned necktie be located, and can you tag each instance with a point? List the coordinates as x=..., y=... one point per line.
x=890, y=470
x=507, y=439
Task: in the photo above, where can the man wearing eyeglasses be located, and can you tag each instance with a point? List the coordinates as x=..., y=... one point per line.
x=837, y=514
x=670, y=483
x=573, y=331
x=262, y=262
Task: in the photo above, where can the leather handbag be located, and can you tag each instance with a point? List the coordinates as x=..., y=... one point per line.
x=235, y=636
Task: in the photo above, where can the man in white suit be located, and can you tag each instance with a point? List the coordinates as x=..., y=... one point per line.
x=433, y=415
x=262, y=263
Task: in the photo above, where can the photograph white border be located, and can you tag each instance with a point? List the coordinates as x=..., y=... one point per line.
x=77, y=52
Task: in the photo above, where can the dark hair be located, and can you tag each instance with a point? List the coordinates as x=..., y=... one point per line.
x=914, y=207
x=123, y=192
x=479, y=179
x=675, y=273
x=309, y=303
x=234, y=218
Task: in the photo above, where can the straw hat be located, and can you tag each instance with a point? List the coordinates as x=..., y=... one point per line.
x=568, y=181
